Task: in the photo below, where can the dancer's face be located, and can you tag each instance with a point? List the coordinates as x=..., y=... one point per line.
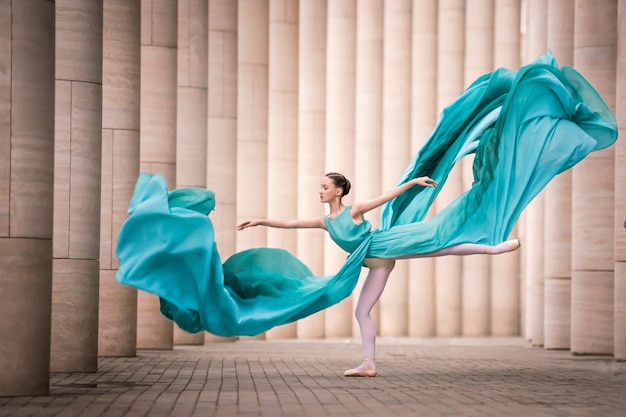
x=328, y=190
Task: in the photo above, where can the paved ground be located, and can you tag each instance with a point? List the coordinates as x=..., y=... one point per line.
x=486, y=377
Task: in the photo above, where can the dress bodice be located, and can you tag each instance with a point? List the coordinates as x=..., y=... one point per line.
x=345, y=232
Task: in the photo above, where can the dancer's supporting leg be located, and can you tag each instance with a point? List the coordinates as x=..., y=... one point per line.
x=370, y=293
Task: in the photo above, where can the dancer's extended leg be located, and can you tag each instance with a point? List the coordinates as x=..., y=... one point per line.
x=370, y=293
x=472, y=249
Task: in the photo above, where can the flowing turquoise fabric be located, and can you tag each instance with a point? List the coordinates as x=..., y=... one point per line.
x=524, y=126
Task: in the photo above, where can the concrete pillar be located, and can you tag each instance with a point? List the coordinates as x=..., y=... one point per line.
x=505, y=268
x=311, y=144
x=450, y=80
x=479, y=34
x=619, y=325
x=534, y=213
x=252, y=118
x=282, y=145
x=77, y=156
x=558, y=203
x=593, y=187
x=222, y=124
x=26, y=194
x=157, y=136
x=191, y=110
x=191, y=98
x=340, y=110
x=423, y=119
x=396, y=146
x=117, y=322
x=368, y=119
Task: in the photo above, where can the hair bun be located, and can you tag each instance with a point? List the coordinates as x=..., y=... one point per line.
x=340, y=182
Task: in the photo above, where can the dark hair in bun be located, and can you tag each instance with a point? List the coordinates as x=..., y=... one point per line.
x=340, y=182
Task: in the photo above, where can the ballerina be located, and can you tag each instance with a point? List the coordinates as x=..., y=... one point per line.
x=348, y=227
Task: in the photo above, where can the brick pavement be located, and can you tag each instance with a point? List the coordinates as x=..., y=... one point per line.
x=417, y=377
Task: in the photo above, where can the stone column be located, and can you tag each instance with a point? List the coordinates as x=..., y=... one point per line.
x=282, y=144
x=191, y=94
x=368, y=118
x=396, y=146
x=157, y=136
x=26, y=194
x=534, y=213
x=77, y=156
x=593, y=182
x=423, y=119
x=619, y=326
x=479, y=39
x=558, y=203
x=222, y=124
x=117, y=326
x=252, y=119
x=340, y=108
x=505, y=268
x=191, y=110
x=450, y=59
x=311, y=143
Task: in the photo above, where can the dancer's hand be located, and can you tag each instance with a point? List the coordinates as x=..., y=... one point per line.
x=248, y=223
x=424, y=182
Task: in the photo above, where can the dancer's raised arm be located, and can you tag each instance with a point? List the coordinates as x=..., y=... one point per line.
x=359, y=208
x=317, y=222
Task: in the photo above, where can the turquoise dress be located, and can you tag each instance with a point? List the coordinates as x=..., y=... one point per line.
x=524, y=126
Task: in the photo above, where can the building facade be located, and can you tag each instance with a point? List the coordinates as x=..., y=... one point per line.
x=256, y=100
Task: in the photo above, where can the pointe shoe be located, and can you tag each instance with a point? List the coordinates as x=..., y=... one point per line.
x=366, y=369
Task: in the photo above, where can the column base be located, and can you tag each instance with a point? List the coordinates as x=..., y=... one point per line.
x=26, y=283
x=592, y=312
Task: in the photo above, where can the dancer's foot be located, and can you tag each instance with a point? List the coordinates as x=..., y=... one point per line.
x=367, y=368
x=513, y=244
x=508, y=246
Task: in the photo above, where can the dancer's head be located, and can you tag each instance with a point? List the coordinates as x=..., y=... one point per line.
x=334, y=185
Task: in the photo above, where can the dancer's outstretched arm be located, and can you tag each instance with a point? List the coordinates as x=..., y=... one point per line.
x=317, y=222
x=359, y=208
